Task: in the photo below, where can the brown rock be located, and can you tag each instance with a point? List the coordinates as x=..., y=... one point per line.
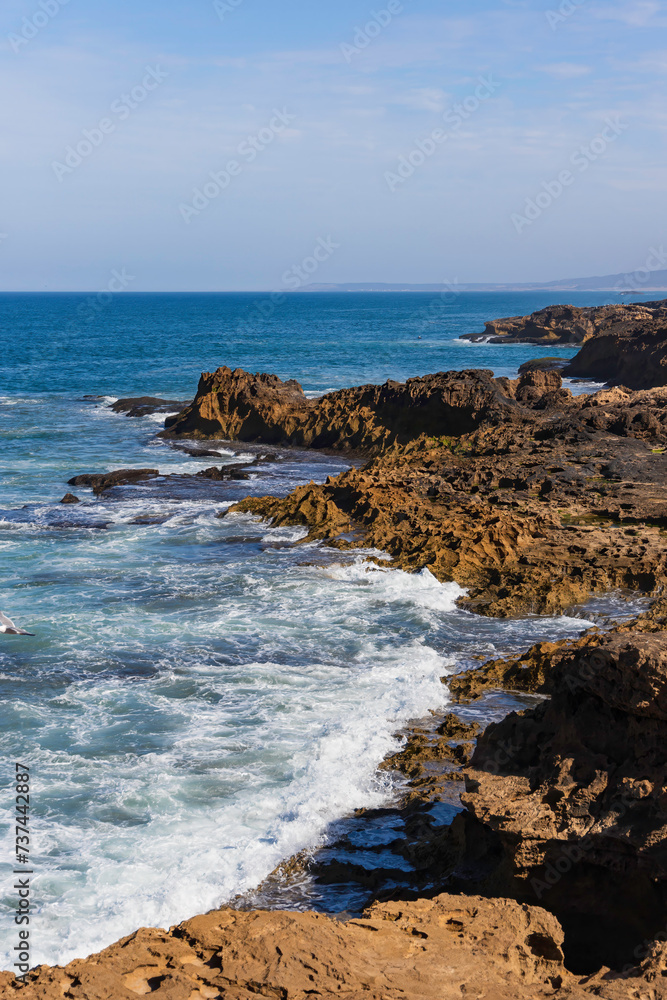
x=533, y=517
x=237, y=406
x=570, y=798
x=99, y=482
x=635, y=357
x=70, y=498
x=621, y=344
x=528, y=672
x=445, y=948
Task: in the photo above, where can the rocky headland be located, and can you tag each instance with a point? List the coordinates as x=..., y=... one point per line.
x=551, y=881
x=620, y=344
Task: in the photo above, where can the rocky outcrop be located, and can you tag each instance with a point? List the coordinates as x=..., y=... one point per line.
x=635, y=356
x=237, y=406
x=567, y=499
x=433, y=949
x=567, y=802
x=564, y=324
x=553, y=325
x=621, y=344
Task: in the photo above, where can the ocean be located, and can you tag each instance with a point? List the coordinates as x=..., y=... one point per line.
x=204, y=697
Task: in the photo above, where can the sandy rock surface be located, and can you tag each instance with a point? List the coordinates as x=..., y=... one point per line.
x=448, y=948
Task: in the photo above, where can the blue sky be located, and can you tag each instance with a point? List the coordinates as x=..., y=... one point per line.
x=557, y=77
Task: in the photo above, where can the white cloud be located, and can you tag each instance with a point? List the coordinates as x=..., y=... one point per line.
x=638, y=13
x=423, y=99
x=565, y=70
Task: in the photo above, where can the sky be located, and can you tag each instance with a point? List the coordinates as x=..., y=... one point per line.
x=212, y=145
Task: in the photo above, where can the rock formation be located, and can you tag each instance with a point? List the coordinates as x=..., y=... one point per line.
x=553, y=325
x=434, y=949
x=621, y=344
x=237, y=406
x=564, y=324
x=567, y=803
x=565, y=498
x=635, y=356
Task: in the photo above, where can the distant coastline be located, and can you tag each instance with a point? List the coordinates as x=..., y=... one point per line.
x=627, y=283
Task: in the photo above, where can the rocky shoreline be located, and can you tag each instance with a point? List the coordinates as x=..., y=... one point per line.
x=551, y=878
x=620, y=344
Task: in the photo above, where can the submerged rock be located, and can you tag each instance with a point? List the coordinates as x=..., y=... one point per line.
x=196, y=452
x=143, y=406
x=101, y=481
x=224, y=472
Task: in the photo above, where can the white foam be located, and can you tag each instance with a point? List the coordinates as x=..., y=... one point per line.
x=389, y=584
x=587, y=387
x=155, y=418
x=318, y=393
x=162, y=842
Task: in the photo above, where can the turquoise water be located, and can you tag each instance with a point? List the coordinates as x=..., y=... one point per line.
x=203, y=697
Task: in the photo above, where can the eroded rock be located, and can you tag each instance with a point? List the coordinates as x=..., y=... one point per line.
x=566, y=499
x=621, y=344
x=237, y=406
x=443, y=948
x=568, y=801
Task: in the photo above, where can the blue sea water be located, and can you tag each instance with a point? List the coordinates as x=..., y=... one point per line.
x=203, y=697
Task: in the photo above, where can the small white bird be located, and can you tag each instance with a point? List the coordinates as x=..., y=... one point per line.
x=8, y=626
